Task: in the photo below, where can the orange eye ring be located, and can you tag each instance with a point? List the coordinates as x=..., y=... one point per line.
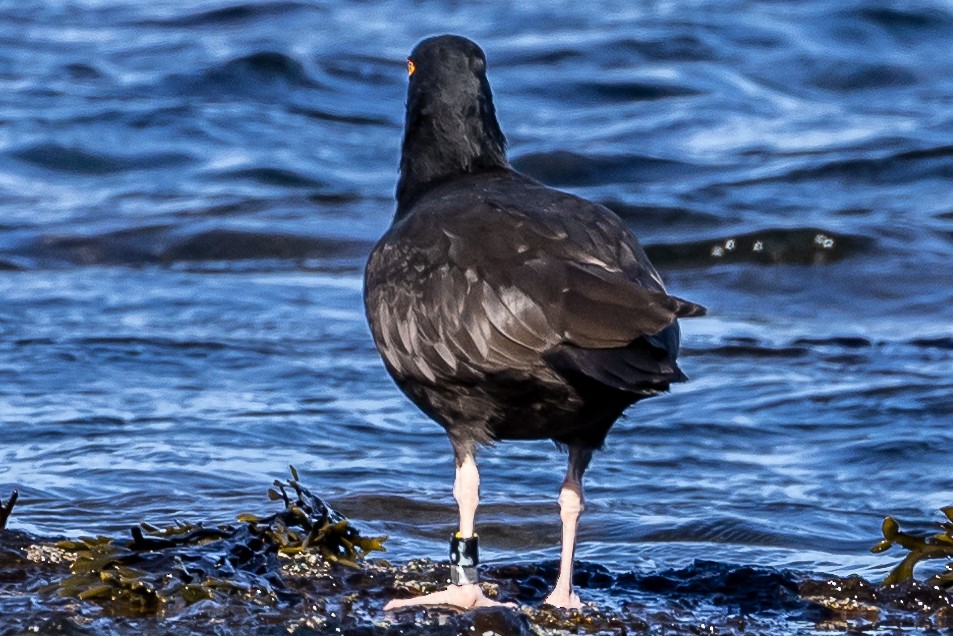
x=411, y=67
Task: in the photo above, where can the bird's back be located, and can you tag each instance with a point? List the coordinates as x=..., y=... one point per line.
x=506, y=309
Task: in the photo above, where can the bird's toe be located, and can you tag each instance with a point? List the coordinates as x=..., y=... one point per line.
x=564, y=600
x=462, y=596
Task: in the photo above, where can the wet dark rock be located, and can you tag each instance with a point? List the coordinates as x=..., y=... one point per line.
x=499, y=620
x=172, y=568
x=589, y=620
x=786, y=246
x=856, y=600
x=747, y=588
x=59, y=625
x=301, y=571
x=13, y=561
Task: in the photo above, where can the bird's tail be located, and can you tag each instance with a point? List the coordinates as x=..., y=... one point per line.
x=688, y=309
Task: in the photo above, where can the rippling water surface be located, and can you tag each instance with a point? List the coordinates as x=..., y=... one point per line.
x=187, y=196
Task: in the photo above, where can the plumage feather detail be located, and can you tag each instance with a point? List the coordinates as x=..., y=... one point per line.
x=504, y=308
x=550, y=270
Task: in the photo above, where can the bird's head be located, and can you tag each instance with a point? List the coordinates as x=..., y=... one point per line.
x=451, y=125
x=449, y=68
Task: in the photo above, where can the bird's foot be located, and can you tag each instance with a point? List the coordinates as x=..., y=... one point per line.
x=564, y=599
x=467, y=596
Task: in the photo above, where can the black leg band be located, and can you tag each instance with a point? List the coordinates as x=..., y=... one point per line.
x=464, y=559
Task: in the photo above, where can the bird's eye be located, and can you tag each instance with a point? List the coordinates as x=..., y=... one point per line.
x=410, y=67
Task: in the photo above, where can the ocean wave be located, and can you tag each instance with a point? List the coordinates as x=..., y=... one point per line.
x=664, y=217
x=265, y=73
x=896, y=167
x=269, y=176
x=236, y=14
x=632, y=91
x=321, y=114
x=568, y=168
x=908, y=21
x=843, y=342
x=166, y=245
x=82, y=161
x=230, y=245
x=265, y=66
x=934, y=343
x=840, y=76
x=83, y=71
x=754, y=351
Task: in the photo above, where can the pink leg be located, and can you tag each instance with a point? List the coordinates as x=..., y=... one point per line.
x=571, y=505
x=466, y=490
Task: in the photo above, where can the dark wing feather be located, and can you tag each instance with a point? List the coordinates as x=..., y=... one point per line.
x=604, y=309
x=437, y=319
x=508, y=275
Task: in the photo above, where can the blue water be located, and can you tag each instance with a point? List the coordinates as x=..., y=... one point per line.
x=187, y=196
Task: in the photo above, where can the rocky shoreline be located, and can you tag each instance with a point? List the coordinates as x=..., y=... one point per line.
x=306, y=570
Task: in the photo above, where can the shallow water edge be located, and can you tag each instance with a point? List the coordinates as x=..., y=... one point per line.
x=307, y=570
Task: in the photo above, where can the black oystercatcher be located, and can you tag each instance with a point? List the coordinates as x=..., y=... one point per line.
x=505, y=309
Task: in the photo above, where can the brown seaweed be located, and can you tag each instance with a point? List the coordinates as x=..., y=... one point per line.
x=303, y=570
x=937, y=546
x=7, y=508
x=184, y=563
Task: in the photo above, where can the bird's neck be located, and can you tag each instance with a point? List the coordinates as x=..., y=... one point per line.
x=440, y=145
